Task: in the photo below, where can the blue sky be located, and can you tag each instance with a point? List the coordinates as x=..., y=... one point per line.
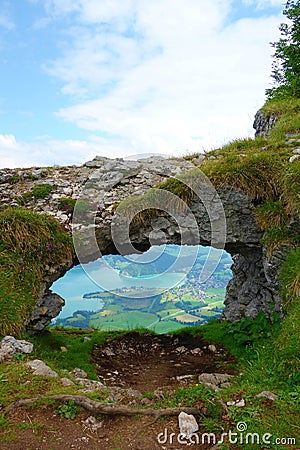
x=124, y=77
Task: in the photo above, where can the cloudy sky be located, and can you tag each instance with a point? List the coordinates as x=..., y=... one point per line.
x=124, y=77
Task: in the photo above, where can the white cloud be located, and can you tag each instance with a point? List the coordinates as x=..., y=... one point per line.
x=46, y=151
x=154, y=76
x=8, y=141
x=185, y=81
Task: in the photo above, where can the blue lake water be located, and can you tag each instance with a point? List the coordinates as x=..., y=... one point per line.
x=95, y=277
x=107, y=274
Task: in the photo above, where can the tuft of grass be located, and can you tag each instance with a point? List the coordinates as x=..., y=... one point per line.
x=272, y=214
x=274, y=218
x=144, y=208
x=241, y=147
x=258, y=175
x=28, y=243
x=290, y=277
x=39, y=191
x=291, y=189
x=274, y=238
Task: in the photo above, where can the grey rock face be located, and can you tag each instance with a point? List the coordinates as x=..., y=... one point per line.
x=215, y=381
x=48, y=307
x=263, y=123
x=250, y=291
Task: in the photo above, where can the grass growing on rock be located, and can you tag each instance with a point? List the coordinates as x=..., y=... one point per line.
x=29, y=242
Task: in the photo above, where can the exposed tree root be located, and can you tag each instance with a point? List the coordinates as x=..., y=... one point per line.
x=96, y=408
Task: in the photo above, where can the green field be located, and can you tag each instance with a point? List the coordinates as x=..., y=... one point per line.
x=158, y=313
x=123, y=321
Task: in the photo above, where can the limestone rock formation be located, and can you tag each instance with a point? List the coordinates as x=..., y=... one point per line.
x=104, y=182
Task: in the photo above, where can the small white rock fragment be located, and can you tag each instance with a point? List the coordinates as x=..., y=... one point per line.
x=187, y=424
x=196, y=351
x=212, y=348
x=92, y=423
x=238, y=403
x=293, y=158
x=181, y=349
x=241, y=403
x=79, y=373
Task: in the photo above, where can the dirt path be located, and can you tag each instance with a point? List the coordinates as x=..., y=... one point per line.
x=134, y=365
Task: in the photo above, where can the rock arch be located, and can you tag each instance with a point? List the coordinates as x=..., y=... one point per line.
x=254, y=285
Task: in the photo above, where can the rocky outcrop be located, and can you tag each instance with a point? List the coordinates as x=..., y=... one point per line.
x=11, y=346
x=250, y=290
x=220, y=217
x=48, y=304
x=48, y=307
x=263, y=123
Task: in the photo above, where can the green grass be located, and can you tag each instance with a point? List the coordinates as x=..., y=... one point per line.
x=288, y=111
x=258, y=175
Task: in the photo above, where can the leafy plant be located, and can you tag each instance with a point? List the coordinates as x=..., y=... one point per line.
x=67, y=410
x=247, y=331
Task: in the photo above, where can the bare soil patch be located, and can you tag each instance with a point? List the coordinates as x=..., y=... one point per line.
x=146, y=362
x=134, y=362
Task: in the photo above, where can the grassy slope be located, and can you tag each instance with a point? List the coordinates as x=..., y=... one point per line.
x=28, y=243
